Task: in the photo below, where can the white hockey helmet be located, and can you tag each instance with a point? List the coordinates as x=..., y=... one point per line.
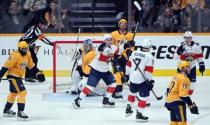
x=146, y=43
x=107, y=36
x=108, y=39
x=188, y=34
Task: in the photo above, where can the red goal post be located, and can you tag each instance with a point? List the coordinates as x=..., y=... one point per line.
x=62, y=60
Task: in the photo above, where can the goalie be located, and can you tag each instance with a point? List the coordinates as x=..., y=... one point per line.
x=100, y=70
x=87, y=53
x=15, y=66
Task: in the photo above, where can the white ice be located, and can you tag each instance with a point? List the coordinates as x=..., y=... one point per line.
x=45, y=108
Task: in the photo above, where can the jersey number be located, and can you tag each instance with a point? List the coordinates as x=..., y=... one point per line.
x=170, y=87
x=138, y=61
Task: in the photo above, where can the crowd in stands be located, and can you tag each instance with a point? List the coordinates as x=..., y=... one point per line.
x=157, y=15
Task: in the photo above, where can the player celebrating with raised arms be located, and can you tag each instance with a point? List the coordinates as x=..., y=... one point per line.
x=100, y=70
x=191, y=51
x=15, y=66
x=139, y=69
x=177, y=96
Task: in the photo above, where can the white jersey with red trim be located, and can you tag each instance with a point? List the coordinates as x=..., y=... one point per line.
x=145, y=62
x=192, y=54
x=102, y=60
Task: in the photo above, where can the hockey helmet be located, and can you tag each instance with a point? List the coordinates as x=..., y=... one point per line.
x=183, y=64
x=87, y=42
x=122, y=21
x=22, y=44
x=188, y=34
x=146, y=43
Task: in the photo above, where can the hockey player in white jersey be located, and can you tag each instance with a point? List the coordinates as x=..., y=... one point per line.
x=191, y=51
x=139, y=69
x=100, y=70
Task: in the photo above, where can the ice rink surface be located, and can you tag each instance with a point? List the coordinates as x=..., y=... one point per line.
x=45, y=108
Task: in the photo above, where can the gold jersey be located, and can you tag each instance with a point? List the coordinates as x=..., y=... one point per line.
x=17, y=64
x=87, y=58
x=178, y=87
x=117, y=37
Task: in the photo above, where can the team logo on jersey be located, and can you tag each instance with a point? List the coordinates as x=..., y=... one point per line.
x=185, y=86
x=23, y=65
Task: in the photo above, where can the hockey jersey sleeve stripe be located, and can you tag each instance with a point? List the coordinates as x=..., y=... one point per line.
x=149, y=69
x=128, y=64
x=194, y=56
x=41, y=36
x=103, y=58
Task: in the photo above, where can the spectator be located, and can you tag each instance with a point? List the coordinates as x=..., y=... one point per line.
x=187, y=18
x=205, y=20
x=168, y=22
x=153, y=9
x=12, y=21
x=51, y=16
x=185, y=3
x=34, y=5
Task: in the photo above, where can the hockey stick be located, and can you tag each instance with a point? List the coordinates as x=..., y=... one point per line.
x=75, y=52
x=137, y=24
x=157, y=97
x=20, y=79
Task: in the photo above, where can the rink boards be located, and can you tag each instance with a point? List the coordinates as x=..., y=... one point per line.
x=164, y=46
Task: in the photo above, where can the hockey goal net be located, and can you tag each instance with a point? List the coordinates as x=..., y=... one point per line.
x=63, y=52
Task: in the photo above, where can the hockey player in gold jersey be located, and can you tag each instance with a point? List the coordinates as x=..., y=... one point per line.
x=120, y=37
x=15, y=67
x=87, y=53
x=177, y=96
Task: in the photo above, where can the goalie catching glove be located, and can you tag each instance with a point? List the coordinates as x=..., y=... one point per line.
x=40, y=76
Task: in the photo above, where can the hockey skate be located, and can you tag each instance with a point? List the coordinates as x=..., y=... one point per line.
x=117, y=96
x=76, y=103
x=140, y=117
x=106, y=102
x=22, y=116
x=9, y=113
x=128, y=110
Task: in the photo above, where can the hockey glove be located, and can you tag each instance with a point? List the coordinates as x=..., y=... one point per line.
x=125, y=78
x=193, y=108
x=150, y=84
x=180, y=49
x=40, y=77
x=101, y=47
x=201, y=67
x=128, y=53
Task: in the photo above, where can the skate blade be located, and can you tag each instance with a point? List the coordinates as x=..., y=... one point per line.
x=8, y=115
x=129, y=114
x=75, y=106
x=22, y=119
x=141, y=120
x=108, y=106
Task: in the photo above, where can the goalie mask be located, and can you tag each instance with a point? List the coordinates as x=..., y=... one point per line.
x=22, y=47
x=88, y=45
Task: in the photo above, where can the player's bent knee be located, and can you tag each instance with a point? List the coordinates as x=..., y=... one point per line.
x=131, y=98
x=21, y=96
x=87, y=90
x=142, y=104
x=11, y=97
